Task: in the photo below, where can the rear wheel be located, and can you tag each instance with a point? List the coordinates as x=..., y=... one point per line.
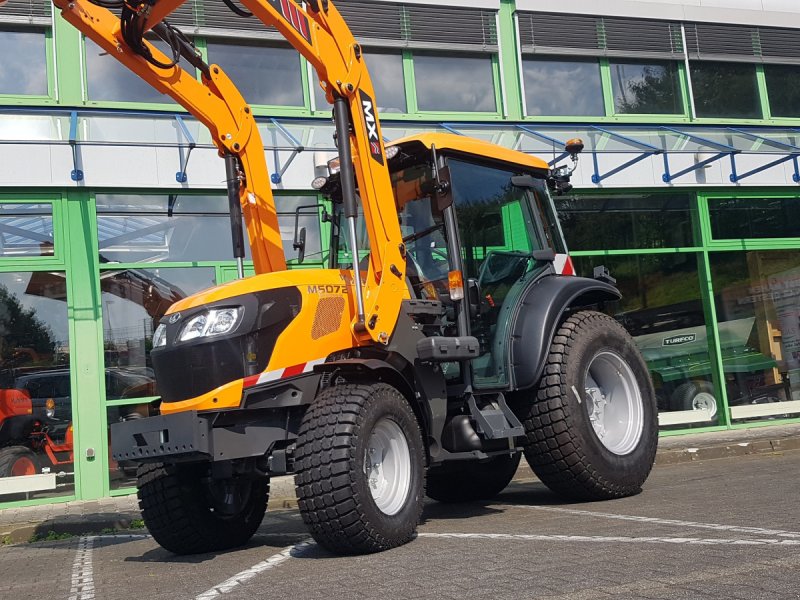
x=360, y=469
x=18, y=461
x=472, y=481
x=695, y=395
x=591, y=426
x=189, y=513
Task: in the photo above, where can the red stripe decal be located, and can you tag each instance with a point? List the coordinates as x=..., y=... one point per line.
x=292, y=371
x=251, y=381
x=304, y=27
x=295, y=16
x=287, y=13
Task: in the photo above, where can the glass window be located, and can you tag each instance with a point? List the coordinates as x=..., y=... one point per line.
x=23, y=68
x=26, y=230
x=264, y=74
x=35, y=394
x=454, y=83
x=107, y=80
x=757, y=296
x=661, y=308
x=558, y=87
x=755, y=218
x=386, y=70
x=646, y=87
x=783, y=87
x=133, y=301
x=151, y=228
x=190, y=228
x=723, y=89
x=625, y=221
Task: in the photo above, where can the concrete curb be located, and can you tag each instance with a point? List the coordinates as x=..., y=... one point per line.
x=672, y=450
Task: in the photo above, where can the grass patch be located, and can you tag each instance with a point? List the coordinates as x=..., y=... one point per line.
x=50, y=536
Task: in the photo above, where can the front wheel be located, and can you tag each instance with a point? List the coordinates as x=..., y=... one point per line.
x=592, y=426
x=187, y=512
x=360, y=469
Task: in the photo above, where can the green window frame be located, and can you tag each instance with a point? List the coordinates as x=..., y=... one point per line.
x=51, y=96
x=410, y=86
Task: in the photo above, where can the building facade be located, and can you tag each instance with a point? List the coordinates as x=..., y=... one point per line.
x=112, y=199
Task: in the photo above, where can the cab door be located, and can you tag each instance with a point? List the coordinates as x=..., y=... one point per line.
x=504, y=234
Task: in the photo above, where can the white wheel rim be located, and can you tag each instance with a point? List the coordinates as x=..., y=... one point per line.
x=614, y=402
x=387, y=466
x=707, y=402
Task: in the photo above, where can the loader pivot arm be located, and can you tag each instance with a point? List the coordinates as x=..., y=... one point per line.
x=321, y=35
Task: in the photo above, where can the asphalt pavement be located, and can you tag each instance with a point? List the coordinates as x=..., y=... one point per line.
x=724, y=528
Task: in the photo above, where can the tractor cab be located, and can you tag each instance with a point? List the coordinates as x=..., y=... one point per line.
x=479, y=227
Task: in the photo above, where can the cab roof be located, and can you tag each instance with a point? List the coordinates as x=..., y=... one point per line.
x=474, y=146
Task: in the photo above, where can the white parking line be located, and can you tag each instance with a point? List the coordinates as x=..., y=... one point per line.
x=231, y=583
x=82, y=570
x=673, y=522
x=621, y=539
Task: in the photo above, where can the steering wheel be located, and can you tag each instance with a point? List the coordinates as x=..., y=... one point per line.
x=489, y=275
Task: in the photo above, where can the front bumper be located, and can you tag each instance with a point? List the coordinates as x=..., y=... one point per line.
x=213, y=436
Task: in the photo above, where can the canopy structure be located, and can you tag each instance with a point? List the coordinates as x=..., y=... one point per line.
x=772, y=146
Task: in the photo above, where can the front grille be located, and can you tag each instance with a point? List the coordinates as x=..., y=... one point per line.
x=185, y=370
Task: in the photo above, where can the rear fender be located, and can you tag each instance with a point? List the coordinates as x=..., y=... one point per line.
x=541, y=309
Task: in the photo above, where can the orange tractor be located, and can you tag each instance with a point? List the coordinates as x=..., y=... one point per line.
x=448, y=336
x=30, y=439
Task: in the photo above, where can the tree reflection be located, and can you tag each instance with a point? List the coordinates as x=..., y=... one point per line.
x=24, y=338
x=646, y=89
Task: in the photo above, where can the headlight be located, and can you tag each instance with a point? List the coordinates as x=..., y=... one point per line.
x=214, y=322
x=160, y=336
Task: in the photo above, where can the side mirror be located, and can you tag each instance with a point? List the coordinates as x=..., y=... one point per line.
x=544, y=255
x=299, y=244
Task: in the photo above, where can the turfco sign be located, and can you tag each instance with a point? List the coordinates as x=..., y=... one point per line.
x=677, y=340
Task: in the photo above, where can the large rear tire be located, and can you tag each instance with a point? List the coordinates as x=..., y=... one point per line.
x=188, y=513
x=472, y=481
x=591, y=426
x=18, y=461
x=359, y=469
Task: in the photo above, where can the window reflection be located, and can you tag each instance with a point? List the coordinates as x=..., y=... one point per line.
x=183, y=228
x=23, y=68
x=36, y=429
x=757, y=296
x=108, y=80
x=646, y=87
x=264, y=74
x=26, y=230
x=386, y=71
x=557, y=87
x=754, y=218
x=724, y=89
x=454, y=83
x=661, y=308
x=626, y=221
x=783, y=87
x=133, y=301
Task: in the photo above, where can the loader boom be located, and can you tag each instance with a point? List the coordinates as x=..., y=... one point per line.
x=324, y=39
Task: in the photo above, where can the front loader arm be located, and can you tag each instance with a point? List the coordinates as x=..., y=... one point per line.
x=321, y=35
x=324, y=39
x=217, y=104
